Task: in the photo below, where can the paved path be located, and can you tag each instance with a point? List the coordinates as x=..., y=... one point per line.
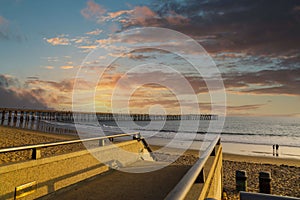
x=117, y=185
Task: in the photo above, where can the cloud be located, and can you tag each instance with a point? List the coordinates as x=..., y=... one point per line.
x=176, y=19
x=245, y=107
x=272, y=82
x=7, y=81
x=145, y=16
x=64, y=39
x=95, y=32
x=137, y=16
x=51, y=59
x=93, y=10
x=33, y=77
x=14, y=96
x=20, y=99
x=49, y=67
x=58, y=41
x=67, y=67
x=142, y=15
x=79, y=40
x=65, y=86
x=260, y=27
x=87, y=47
x=116, y=14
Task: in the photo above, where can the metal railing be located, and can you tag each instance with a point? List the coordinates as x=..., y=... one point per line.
x=36, y=149
x=184, y=186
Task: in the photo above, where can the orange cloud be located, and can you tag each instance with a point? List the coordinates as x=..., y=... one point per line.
x=58, y=41
x=49, y=67
x=88, y=47
x=95, y=32
x=142, y=15
x=67, y=67
x=119, y=13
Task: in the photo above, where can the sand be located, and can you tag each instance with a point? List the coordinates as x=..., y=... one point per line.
x=14, y=137
x=285, y=172
x=285, y=179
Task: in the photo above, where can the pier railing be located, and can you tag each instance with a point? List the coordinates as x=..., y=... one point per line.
x=204, y=179
x=16, y=114
x=36, y=149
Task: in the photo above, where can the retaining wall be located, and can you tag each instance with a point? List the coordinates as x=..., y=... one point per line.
x=35, y=178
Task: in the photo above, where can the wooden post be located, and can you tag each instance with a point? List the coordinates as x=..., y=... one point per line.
x=102, y=142
x=241, y=180
x=15, y=116
x=36, y=153
x=265, y=182
x=22, y=116
x=9, y=116
x=3, y=115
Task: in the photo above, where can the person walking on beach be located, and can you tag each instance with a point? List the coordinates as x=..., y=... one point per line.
x=273, y=149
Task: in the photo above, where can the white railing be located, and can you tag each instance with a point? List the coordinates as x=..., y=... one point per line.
x=184, y=186
x=36, y=149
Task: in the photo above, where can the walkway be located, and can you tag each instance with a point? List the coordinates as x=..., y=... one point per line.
x=117, y=185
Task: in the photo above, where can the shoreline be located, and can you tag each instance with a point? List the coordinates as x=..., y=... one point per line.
x=259, y=150
x=239, y=157
x=230, y=149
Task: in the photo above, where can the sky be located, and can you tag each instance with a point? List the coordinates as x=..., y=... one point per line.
x=51, y=50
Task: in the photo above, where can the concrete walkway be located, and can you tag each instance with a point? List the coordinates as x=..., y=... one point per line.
x=117, y=185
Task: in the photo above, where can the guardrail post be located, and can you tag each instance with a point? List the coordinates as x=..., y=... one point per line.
x=36, y=153
x=265, y=182
x=241, y=180
x=213, y=153
x=101, y=142
x=136, y=136
x=201, y=177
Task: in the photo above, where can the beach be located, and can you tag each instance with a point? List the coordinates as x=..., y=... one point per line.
x=285, y=172
x=14, y=137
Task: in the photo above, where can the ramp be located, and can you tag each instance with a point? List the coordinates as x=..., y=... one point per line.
x=127, y=186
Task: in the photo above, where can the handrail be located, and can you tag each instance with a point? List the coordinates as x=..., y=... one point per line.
x=185, y=184
x=20, y=148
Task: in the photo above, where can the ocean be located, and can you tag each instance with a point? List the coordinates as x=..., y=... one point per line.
x=246, y=130
x=264, y=131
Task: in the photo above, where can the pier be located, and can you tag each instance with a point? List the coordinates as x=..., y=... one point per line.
x=21, y=115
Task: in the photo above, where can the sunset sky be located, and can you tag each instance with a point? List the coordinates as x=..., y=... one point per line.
x=254, y=43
